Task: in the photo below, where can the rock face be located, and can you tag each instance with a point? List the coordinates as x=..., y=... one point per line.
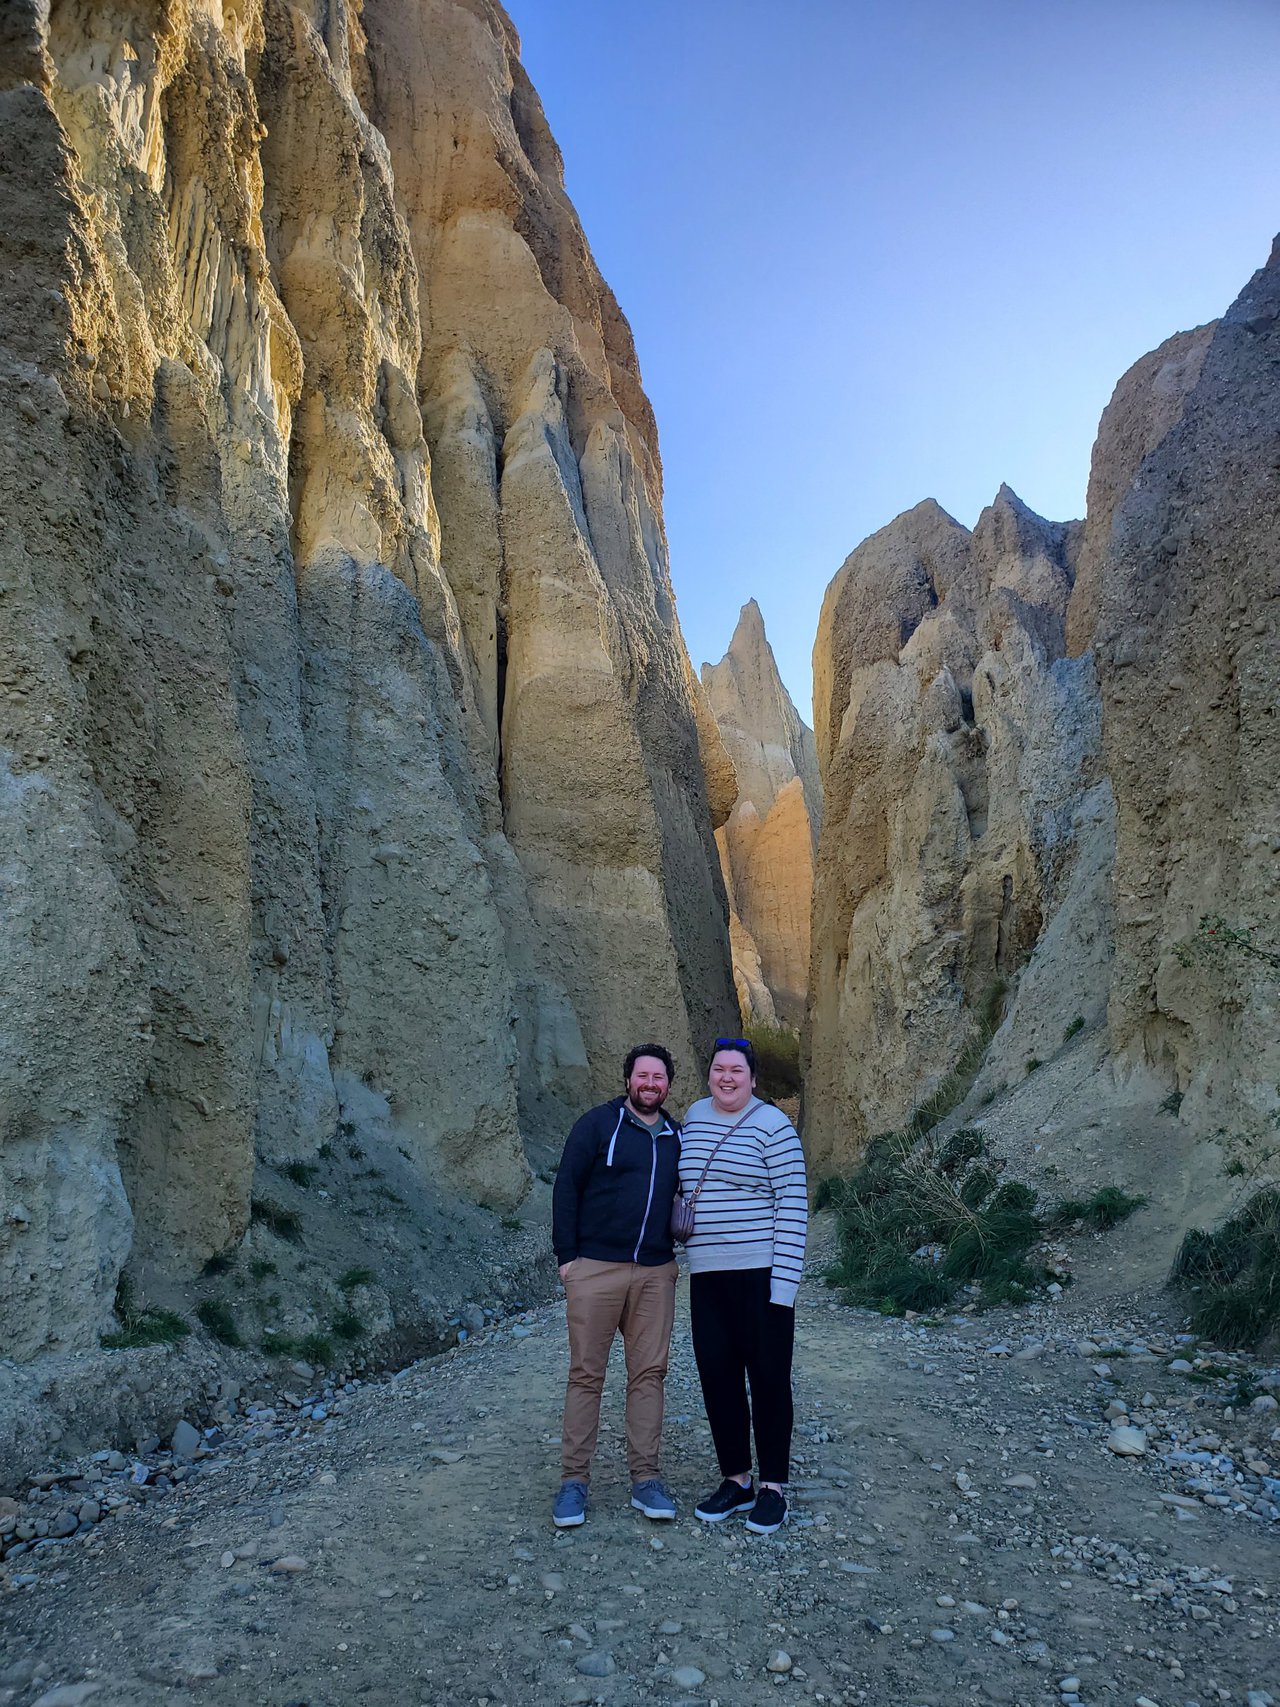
x=767, y=844
x=352, y=765
x=1047, y=752
x=1188, y=648
x=956, y=741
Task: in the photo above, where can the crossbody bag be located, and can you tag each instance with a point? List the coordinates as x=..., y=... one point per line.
x=684, y=1209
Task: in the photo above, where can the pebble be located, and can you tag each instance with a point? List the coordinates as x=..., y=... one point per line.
x=1069, y=1685
x=688, y=1677
x=942, y=1635
x=67, y=1695
x=185, y=1440
x=597, y=1665
x=1127, y=1442
x=779, y=1661
x=289, y=1565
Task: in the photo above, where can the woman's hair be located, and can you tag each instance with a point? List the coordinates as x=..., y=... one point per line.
x=654, y=1049
x=744, y=1047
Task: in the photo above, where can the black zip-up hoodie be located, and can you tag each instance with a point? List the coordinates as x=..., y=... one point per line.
x=613, y=1193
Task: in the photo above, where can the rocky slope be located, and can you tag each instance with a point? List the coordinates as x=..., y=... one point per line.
x=1048, y=751
x=353, y=767
x=767, y=843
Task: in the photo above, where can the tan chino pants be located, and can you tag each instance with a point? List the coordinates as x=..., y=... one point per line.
x=639, y=1303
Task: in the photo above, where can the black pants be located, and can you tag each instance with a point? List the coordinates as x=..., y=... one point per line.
x=739, y=1337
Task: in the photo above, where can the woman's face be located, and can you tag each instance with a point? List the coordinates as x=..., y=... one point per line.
x=730, y=1081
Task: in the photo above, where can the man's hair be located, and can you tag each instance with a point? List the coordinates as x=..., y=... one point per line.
x=654, y=1049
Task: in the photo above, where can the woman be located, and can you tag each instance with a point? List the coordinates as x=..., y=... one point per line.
x=743, y=1159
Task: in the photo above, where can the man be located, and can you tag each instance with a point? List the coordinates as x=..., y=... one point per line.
x=611, y=1215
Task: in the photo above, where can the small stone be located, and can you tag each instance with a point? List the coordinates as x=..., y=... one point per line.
x=185, y=1440
x=227, y=1560
x=779, y=1661
x=597, y=1665
x=67, y=1695
x=670, y=1627
x=1265, y=1402
x=1022, y=1481
x=1180, y=1366
x=445, y=1455
x=1127, y=1442
x=90, y=1512
x=688, y=1677
x=942, y=1635
x=1069, y=1685
x=1259, y=1698
x=289, y=1565
x=1145, y=1701
x=1116, y=1410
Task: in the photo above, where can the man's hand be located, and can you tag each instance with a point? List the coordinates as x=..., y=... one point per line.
x=564, y=1269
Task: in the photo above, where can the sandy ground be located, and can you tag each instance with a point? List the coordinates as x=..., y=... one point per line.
x=428, y=1570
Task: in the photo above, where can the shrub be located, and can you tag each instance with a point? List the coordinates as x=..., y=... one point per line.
x=915, y=1227
x=1105, y=1209
x=284, y=1223
x=1034, y=1063
x=355, y=1277
x=217, y=1318
x=1074, y=1029
x=140, y=1326
x=221, y=1262
x=260, y=1268
x=1237, y=1273
x=301, y=1173
x=777, y=1060
x=316, y=1348
x=347, y=1325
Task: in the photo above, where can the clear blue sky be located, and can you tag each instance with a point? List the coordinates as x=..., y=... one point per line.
x=874, y=251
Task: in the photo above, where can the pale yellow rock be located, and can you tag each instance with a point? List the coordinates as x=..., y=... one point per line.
x=766, y=845
x=346, y=710
x=956, y=744
x=1188, y=647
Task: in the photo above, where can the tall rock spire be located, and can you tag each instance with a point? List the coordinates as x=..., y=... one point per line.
x=766, y=846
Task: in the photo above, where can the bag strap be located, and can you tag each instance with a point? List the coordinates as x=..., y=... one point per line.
x=702, y=1180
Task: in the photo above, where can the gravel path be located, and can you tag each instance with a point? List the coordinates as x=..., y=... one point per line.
x=962, y=1531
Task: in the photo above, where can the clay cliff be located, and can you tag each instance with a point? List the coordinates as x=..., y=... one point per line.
x=767, y=843
x=352, y=763
x=1048, y=751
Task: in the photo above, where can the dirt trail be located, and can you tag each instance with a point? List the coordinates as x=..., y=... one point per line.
x=431, y=1572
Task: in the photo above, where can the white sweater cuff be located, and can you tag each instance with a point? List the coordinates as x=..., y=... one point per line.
x=783, y=1292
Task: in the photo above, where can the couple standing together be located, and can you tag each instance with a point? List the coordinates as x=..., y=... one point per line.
x=739, y=1158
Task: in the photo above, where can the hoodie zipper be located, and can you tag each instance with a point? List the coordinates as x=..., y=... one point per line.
x=653, y=1174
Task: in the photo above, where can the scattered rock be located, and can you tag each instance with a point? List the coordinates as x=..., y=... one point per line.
x=1127, y=1442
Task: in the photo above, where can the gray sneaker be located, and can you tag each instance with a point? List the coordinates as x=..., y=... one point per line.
x=651, y=1497
x=570, y=1506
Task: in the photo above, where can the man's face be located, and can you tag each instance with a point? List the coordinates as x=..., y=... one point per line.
x=648, y=1085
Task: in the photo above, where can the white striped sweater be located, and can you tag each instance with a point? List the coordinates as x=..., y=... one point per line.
x=754, y=1208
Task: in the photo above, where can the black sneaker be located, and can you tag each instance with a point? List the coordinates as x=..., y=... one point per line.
x=770, y=1512
x=729, y=1497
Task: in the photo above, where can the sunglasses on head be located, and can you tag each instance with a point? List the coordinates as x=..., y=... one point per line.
x=733, y=1043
